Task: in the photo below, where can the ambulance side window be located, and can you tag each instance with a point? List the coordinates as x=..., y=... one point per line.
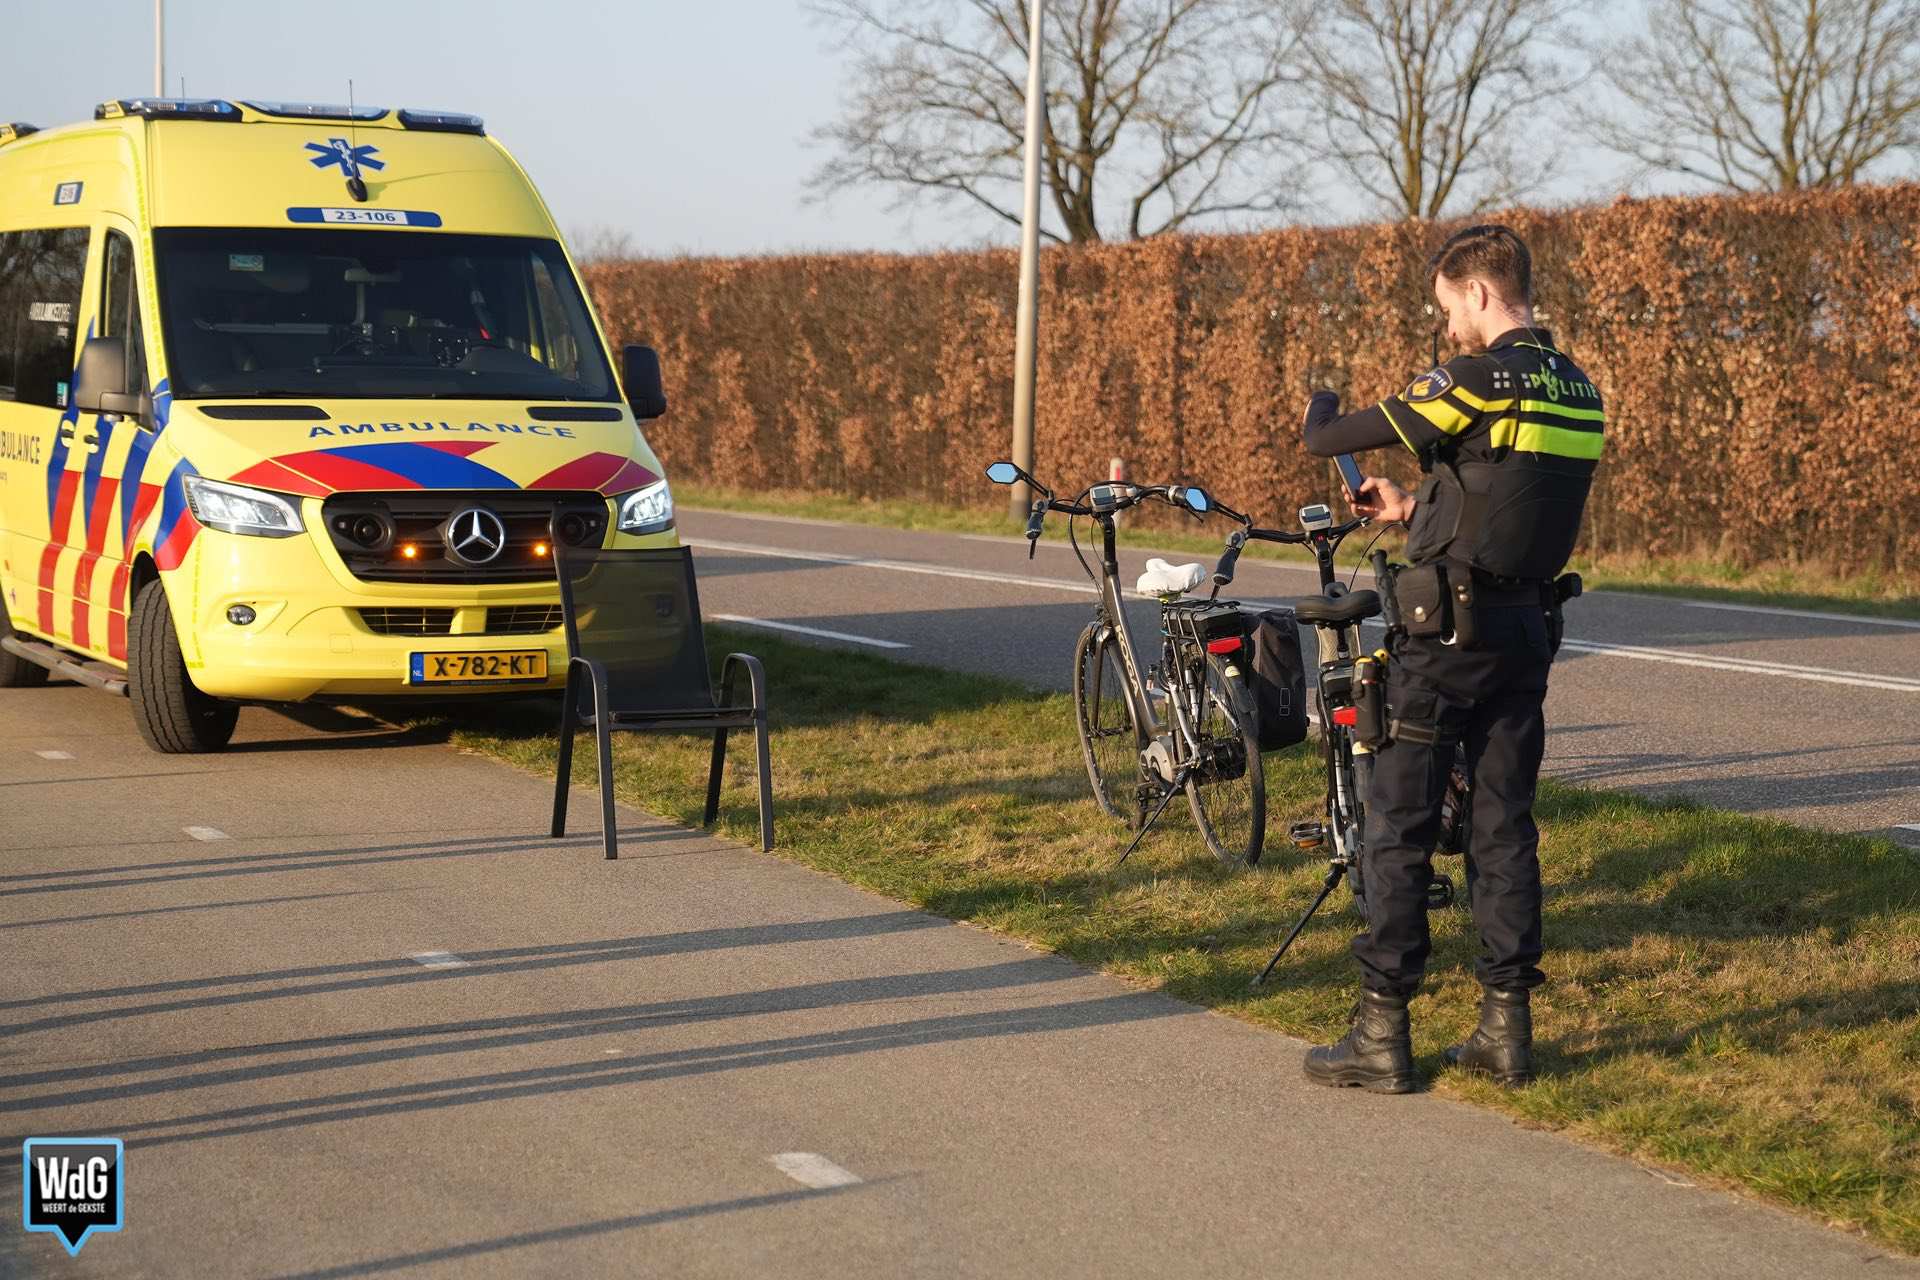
x=120, y=308
x=40, y=279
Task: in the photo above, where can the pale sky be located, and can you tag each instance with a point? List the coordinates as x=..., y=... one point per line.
x=683, y=124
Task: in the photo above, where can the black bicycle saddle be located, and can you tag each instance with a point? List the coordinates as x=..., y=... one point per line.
x=1337, y=611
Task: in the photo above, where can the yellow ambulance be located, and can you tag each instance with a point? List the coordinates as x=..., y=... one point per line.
x=296, y=402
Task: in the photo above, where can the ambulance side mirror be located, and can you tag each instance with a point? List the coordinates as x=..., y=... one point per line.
x=641, y=376
x=100, y=384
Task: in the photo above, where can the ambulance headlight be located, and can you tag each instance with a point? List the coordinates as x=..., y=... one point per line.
x=233, y=508
x=647, y=510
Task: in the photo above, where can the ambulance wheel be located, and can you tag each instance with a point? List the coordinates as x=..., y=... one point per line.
x=15, y=671
x=172, y=715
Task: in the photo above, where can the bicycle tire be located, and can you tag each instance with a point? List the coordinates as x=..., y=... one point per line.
x=1231, y=814
x=1103, y=716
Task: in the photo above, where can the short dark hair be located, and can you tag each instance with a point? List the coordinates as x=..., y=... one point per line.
x=1491, y=253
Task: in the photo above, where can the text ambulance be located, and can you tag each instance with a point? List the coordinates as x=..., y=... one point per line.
x=296, y=402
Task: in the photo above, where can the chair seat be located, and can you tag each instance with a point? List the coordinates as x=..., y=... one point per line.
x=693, y=715
x=1337, y=611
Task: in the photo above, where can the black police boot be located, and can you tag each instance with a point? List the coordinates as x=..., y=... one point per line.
x=1502, y=1045
x=1376, y=1054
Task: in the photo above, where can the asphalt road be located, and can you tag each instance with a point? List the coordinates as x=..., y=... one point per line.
x=352, y=1018
x=1813, y=718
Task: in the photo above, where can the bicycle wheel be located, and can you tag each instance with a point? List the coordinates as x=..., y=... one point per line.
x=1108, y=739
x=1229, y=792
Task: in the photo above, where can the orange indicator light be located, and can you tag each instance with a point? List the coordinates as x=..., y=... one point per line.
x=539, y=548
x=410, y=552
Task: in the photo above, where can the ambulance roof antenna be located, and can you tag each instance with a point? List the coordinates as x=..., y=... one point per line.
x=356, y=185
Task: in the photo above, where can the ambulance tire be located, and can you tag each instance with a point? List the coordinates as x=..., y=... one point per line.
x=172, y=715
x=15, y=671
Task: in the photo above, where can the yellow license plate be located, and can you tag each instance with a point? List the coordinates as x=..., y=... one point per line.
x=478, y=668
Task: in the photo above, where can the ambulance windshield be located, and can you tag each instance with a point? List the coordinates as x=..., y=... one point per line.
x=348, y=313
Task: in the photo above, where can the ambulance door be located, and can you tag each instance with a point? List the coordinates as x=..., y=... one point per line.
x=108, y=455
x=42, y=278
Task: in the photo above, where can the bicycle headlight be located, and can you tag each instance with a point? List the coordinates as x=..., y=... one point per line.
x=647, y=510
x=233, y=508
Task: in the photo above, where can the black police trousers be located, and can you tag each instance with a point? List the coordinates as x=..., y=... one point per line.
x=1490, y=698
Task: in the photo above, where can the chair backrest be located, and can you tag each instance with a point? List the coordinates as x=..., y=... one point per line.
x=637, y=613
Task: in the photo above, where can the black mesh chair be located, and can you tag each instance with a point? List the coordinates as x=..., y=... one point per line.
x=637, y=660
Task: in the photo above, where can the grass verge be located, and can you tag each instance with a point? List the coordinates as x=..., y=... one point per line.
x=1736, y=997
x=1699, y=577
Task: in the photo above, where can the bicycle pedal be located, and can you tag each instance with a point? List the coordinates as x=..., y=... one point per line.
x=1439, y=893
x=1308, y=835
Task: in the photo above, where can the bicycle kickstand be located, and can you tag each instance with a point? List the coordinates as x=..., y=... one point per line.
x=1179, y=782
x=1334, y=876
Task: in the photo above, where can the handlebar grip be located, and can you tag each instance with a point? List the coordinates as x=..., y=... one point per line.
x=1223, y=572
x=1035, y=520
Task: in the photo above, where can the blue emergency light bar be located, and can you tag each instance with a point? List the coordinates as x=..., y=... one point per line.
x=168, y=109
x=442, y=121
x=317, y=110
x=221, y=109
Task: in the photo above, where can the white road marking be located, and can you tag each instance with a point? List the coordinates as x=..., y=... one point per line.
x=811, y=1170
x=744, y=621
x=206, y=833
x=437, y=960
x=929, y=570
x=1908, y=826
x=54, y=755
x=1821, y=675
x=1749, y=666
x=1868, y=619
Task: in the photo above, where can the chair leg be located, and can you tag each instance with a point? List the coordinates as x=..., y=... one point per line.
x=714, y=773
x=563, y=776
x=603, y=738
x=766, y=783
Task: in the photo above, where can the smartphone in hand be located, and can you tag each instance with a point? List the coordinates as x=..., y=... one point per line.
x=1350, y=472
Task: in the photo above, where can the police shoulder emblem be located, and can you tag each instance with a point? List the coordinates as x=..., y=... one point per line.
x=1429, y=385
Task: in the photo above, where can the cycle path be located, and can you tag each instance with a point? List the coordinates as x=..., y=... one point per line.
x=353, y=1018
x=1806, y=717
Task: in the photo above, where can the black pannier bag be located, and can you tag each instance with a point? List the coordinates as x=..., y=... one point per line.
x=1277, y=678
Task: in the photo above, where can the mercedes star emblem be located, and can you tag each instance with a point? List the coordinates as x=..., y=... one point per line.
x=476, y=536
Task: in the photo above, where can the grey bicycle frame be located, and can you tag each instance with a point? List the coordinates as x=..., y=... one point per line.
x=1145, y=722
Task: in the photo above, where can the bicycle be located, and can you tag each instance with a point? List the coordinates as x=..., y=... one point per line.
x=1349, y=685
x=1208, y=748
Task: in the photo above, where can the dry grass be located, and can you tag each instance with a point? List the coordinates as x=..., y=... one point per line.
x=1734, y=997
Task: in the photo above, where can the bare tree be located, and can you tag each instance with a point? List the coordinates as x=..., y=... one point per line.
x=1767, y=94
x=601, y=243
x=1164, y=110
x=1422, y=100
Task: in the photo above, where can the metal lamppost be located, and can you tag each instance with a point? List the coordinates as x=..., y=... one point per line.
x=1026, y=357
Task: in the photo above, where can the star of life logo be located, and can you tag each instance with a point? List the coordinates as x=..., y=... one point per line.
x=350, y=159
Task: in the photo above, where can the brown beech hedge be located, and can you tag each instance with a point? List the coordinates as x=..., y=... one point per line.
x=1760, y=359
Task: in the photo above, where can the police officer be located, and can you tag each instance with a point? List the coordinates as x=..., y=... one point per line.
x=1508, y=435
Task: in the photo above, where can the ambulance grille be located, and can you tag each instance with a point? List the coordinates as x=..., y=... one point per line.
x=401, y=537
x=408, y=622
x=523, y=619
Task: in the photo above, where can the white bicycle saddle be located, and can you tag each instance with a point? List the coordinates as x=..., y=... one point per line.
x=1163, y=579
